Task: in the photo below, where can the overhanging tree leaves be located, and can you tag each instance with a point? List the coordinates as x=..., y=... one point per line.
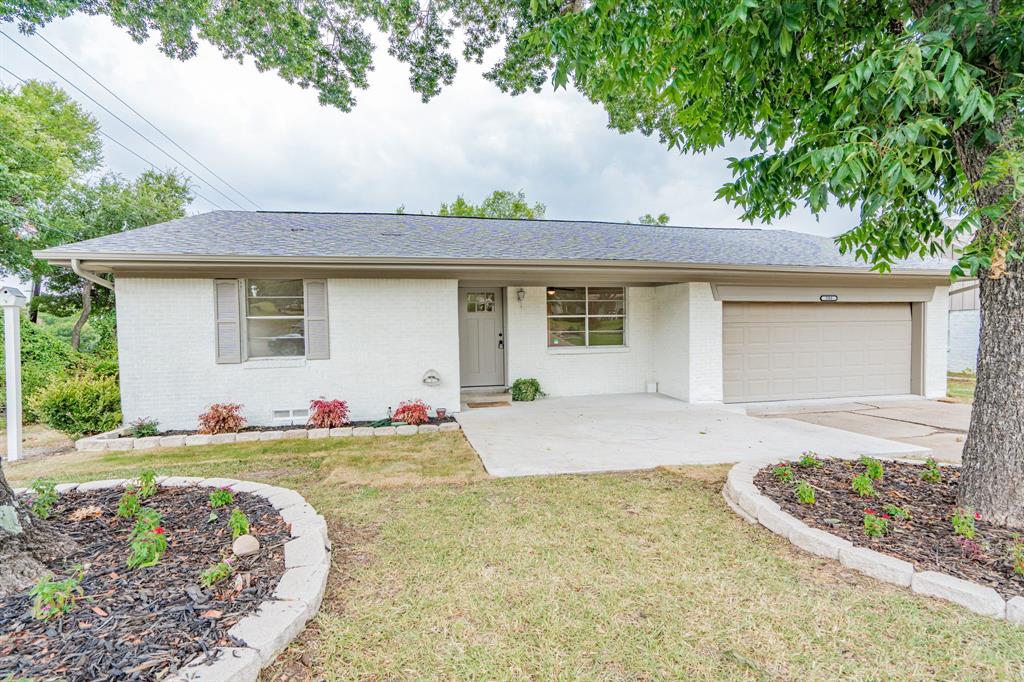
x=908, y=110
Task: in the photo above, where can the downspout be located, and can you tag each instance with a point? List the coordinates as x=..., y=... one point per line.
x=76, y=266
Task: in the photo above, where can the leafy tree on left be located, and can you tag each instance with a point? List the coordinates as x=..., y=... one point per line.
x=48, y=142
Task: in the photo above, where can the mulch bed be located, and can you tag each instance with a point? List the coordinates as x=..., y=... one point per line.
x=925, y=540
x=143, y=624
x=286, y=427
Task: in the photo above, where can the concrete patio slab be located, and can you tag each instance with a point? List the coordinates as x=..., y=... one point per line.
x=643, y=431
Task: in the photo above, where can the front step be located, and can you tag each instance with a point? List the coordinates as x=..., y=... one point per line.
x=490, y=396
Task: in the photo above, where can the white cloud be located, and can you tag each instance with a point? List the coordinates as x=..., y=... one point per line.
x=277, y=144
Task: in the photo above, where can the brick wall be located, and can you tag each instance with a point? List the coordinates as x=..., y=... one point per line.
x=964, y=328
x=384, y=334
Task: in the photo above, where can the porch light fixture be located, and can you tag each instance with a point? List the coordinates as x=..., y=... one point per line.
x=431, y=377
x=520, y=295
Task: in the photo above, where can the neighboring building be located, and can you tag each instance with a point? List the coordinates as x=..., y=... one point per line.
x=274, y=309
x=964, y=325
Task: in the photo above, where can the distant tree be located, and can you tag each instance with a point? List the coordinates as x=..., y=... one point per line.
x=499, y=204
x=91, y=210
x=48, y=142
x=648, y=219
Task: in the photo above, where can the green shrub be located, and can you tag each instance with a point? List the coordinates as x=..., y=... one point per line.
x=82, y=405
x=861, y=485
x=525, y=390
x=44, y=359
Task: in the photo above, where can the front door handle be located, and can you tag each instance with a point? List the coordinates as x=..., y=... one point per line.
x=501, y=341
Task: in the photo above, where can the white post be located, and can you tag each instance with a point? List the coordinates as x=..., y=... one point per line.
x=12, y=301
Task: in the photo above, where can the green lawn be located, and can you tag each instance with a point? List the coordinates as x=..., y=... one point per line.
x=443, y=573
x=960, y=386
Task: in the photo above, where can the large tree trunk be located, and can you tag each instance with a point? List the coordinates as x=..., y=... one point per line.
x=19, y=564
x=992, y=481
x=76, y=331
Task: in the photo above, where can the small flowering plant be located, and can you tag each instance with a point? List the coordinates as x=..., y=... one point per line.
x=931, y=473
x=805, y=493
x=413, y=412
x=873, y=468
x=897, y=512
x=221, y=570
x=54, y=598
x=971, y=549
x=145, y=521
x=129, y=506
x=1016, y=552
x=221, y=497
x=783, y=473
x=222, y=418
x=148, y=548
x=45, y=492
x=327, y=414
x=147, y=484
x=809, y=459
x=963, y=521
x=238, y=522
x=876, y=525
x=862, y=485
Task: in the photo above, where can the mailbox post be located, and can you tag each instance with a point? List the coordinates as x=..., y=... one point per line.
x=12, y=301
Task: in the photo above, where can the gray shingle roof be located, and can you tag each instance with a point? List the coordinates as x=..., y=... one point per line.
x=371, y=235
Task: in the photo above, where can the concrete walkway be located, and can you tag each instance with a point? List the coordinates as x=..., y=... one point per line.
x=940, y=426
x=642, y=431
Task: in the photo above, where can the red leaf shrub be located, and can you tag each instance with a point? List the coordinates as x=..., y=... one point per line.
x=221, y=418
x=327, y=414
x=412, y=412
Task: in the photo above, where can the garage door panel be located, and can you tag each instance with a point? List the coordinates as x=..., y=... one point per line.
x=785, y=351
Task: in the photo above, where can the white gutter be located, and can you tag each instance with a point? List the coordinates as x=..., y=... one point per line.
x=76, y=266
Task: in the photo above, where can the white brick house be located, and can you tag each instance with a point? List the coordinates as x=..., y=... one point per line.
x=272, y=310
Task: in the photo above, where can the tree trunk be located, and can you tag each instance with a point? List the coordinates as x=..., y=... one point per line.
x=992, y=480
x=37, y=288
x=76, y=331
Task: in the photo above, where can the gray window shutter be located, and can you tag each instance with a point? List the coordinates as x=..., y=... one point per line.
x=229, y=327
x=318, y=344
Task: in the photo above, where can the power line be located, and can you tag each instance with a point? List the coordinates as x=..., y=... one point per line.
x=151, y=124
x=123, y=122
x=119, y=143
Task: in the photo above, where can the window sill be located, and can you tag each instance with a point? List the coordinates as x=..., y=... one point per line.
x=273, y=363
x=587, y=350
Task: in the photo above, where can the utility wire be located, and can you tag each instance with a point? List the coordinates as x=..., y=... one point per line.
x=125, y=123
x=151, y=124
x=119, y=143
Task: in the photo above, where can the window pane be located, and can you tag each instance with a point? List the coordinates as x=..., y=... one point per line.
x=606, y=339
x=607, y=307
x=566, y=324
x=567, y=307
x=606, y=324
x=261, y=288
x=480, y=302
x=606, y=293
x=567, y=293
x=267, y=307
x=566, y=339
x=276, y=338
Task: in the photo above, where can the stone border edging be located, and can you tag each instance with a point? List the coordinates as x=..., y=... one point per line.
x=744, y=498
x=266, y=632
x=119, y=440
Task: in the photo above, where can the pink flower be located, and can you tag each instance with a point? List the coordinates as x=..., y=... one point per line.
x=977, y=516
x=159, y=530
x=869, y=511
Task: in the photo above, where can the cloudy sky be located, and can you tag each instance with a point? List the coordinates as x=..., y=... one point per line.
x=283, y=150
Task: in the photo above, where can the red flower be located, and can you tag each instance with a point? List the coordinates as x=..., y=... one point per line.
x=886, y=516
x=869, y=511
x=977, y=516
x=159, y=530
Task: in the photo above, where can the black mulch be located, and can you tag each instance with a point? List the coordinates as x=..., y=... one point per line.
x=286, y=427
x=926, y=540
x=143, y=624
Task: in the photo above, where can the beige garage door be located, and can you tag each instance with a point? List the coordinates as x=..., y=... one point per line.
x=787, y=351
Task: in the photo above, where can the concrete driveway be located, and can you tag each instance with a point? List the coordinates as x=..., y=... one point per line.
x=642, y=431
x=939, y=426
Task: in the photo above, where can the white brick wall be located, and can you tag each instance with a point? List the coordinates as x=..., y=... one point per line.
x=385, y=333
x=705, y=344
x=936, y=321
x=582, y=371
x=672, y=340
x=964, y=331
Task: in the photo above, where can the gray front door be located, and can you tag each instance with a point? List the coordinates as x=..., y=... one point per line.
x=481, y=337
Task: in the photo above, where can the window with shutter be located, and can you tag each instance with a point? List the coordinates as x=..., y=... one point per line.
x=228, y=321
x=318, y=345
